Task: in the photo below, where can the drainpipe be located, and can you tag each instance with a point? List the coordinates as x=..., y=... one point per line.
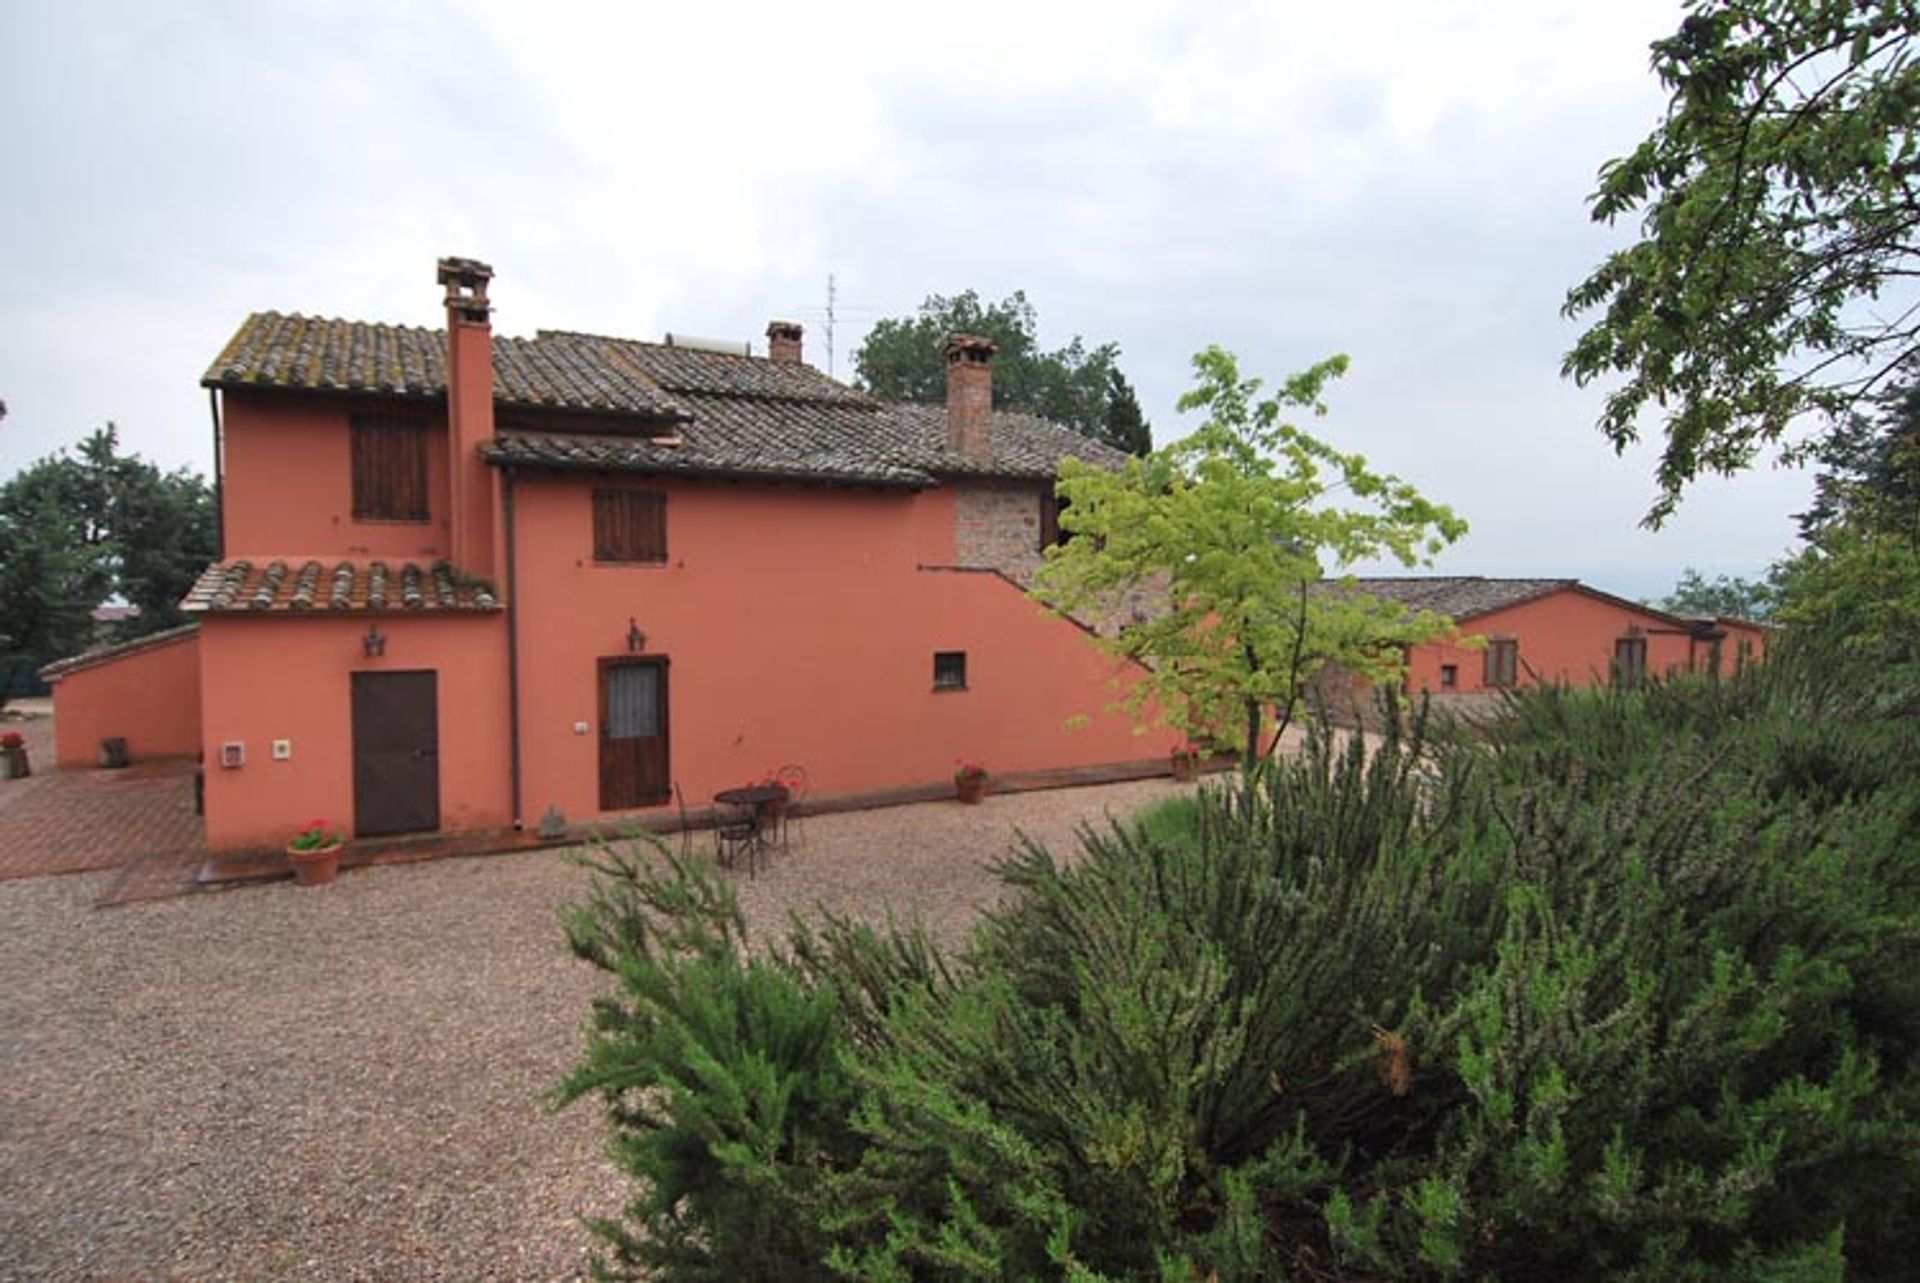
x=513, y=658
x=219, y=473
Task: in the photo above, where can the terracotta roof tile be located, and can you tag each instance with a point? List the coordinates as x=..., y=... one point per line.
x=320, y=354
x=279, y=587
x=1457, y=596
x=732, y=415
x=105, y=654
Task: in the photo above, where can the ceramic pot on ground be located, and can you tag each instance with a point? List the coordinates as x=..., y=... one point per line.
x=971, y=789
x=1185, y=765
x=314, y=868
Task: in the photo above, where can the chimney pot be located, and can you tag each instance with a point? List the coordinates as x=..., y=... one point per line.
x=466, y=281
x=970, y=396
x=783, y=341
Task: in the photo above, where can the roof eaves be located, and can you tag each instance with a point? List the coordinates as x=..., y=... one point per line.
x=60, y=668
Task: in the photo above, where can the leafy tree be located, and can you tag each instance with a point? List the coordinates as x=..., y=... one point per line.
x=1127, y=427
x=1778, y=206
x=1075, y=385
x=1232, y=528
x=1870, y=470
x=78, y=529
x=1856, y=583
x=1727, y=595
x=1858, y=574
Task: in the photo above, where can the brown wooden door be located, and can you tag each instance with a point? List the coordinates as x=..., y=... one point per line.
x=633, y=734
x=396, y=753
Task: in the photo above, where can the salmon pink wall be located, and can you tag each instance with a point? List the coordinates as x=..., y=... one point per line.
x=1565, y=637
x=288, y=678
x=148, y=697
x=799, y=628
x=287, y=484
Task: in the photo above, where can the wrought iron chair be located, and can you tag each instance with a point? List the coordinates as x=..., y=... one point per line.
x=793, y=778
x=736, y=829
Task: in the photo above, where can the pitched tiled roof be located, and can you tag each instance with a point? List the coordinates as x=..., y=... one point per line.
x=319, y=354
x=106, y=654
x=1456, y=596
x=732, y=415
x=280, y=587
x=1467, y=596
x=1024, y=445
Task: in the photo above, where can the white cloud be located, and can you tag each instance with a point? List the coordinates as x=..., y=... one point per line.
x=1404, y=183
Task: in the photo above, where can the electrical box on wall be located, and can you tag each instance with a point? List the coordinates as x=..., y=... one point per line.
x=233, y=753
x=282, y=750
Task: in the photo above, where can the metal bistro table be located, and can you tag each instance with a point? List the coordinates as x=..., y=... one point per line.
x=765, y=801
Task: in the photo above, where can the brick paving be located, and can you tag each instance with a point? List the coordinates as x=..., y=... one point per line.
x=75, y=821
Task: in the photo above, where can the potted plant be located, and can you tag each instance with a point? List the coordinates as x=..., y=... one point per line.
x=314, y=854
x=1186, y=761
x=13, y=746
x=970, y=782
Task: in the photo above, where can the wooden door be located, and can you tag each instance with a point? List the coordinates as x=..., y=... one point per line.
x=633, y=734
x=396, y=753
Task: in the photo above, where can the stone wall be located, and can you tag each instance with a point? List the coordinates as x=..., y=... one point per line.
x=998, y=526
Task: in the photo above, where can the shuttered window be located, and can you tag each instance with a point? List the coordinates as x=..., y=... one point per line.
x=1630, y=662
x=389, y=470
x=629, y=525
x=1503, y=663
x=1050, y=532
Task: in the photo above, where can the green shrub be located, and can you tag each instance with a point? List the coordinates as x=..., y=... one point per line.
x=1627, y=991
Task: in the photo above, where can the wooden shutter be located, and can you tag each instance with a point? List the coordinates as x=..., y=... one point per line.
x=1502, y=663
x=1049, y=520
x=389, y=470
x=629, y=525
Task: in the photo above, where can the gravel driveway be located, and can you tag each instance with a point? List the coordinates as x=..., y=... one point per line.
x=345, y=1084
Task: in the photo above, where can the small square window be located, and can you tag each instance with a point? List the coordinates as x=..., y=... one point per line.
x=1449, y=676
x=950, y=670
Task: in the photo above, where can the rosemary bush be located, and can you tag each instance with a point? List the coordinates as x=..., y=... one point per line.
x=1627, y=990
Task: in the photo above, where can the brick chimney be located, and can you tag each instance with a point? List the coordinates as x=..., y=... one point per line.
x=783, y=341
x=470, y=482
x=970, y=396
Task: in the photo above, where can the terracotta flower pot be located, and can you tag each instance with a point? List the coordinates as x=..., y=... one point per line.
x=18, y=768
x=970, y=788
x=1185, y=766
x=314, y=868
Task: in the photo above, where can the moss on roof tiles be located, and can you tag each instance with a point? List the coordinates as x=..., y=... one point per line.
x=734, y=415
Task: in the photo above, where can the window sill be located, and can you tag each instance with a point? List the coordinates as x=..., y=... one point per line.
x=950, y=690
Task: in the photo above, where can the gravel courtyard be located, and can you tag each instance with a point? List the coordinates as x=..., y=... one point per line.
x=347, y=1083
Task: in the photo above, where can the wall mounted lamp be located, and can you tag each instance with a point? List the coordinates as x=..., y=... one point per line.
x=636, y=640
x=374, y=644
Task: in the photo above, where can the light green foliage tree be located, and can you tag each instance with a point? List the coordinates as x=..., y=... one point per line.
x=1723, y=595
x=1075, y=385
x=1858, y=584
x=1772, y=277
x=1229, y=532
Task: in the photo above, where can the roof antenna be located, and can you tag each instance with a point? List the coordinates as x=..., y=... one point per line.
x=832, y=291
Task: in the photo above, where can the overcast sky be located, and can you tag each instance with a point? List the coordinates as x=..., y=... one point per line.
x=1403, y=182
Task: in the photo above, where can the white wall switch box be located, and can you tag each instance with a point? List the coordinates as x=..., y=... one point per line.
x=282, y=750
x=579, y=728
x=233, y=753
